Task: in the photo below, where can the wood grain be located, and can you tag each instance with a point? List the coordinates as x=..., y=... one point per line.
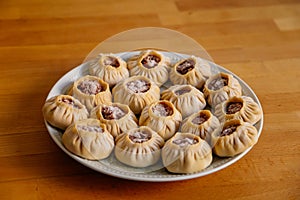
x=42, y=40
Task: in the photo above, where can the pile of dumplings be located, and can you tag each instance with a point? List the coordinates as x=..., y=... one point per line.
x=121, y=108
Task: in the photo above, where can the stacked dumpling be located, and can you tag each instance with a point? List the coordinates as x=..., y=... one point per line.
x=123, y=107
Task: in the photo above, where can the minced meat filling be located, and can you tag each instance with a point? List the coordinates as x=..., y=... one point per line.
x=182, y=91
x=218, y=83
x=111, y=61
x=140, y=137
x=185, y=66
x=200, y=119
x=228, y=130
x=233, y=107
x=96, y=129
x=162, y=109
x=112, y=112
x=69, y=101
x=90, y=87
x=150, y=61
x=138, y=86
x=182, y=142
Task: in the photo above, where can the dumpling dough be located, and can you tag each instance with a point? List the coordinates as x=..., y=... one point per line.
x=111, y=68
x=117, y=117
x=150, y=64
x=221, y=87
x=192, y=70
x=202, y=124
x=136, y=92
x=91, y=91
x=186, y=153
x=139, y=147
x=162, y=117
x=186, y=98
x=244, y=108
x=88, y=139
x=233, y=137
x=62, y=110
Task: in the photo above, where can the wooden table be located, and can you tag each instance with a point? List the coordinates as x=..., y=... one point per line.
x=42, y=40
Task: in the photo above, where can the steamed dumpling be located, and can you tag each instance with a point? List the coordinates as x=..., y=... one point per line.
x=192, y=70
x=91, y=91
x=233, y=137
x=111, y=68
x=202, y=123
x=151, y=64
x=88, y=139
x=136, y=92
x=186, y=153
x=117, y=117
x=62, y=110
x=139, y=147
x=162, y=117
x=244, y=108
x=186, y=98
x=221, y=87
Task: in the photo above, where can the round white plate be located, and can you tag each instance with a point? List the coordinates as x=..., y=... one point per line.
x=157, y=173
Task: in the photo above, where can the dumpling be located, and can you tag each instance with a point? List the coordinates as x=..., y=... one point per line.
x=111, y=68
x=139, y=147
x=186, y=153
x=136, y=92
x=150, y=64
x=186, y=98
x=117, y=117
x=202, y=124
x=221, y=87
x=192, y=70
x=62, y=110
x=244, y=108
x=162, y=117
x=88, y=139
x=233, y=137
x=91, y=91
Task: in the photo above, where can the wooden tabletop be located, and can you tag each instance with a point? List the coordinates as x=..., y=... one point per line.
x=42, y=40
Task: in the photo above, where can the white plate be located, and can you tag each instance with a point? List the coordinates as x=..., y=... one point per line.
x=156, y=173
